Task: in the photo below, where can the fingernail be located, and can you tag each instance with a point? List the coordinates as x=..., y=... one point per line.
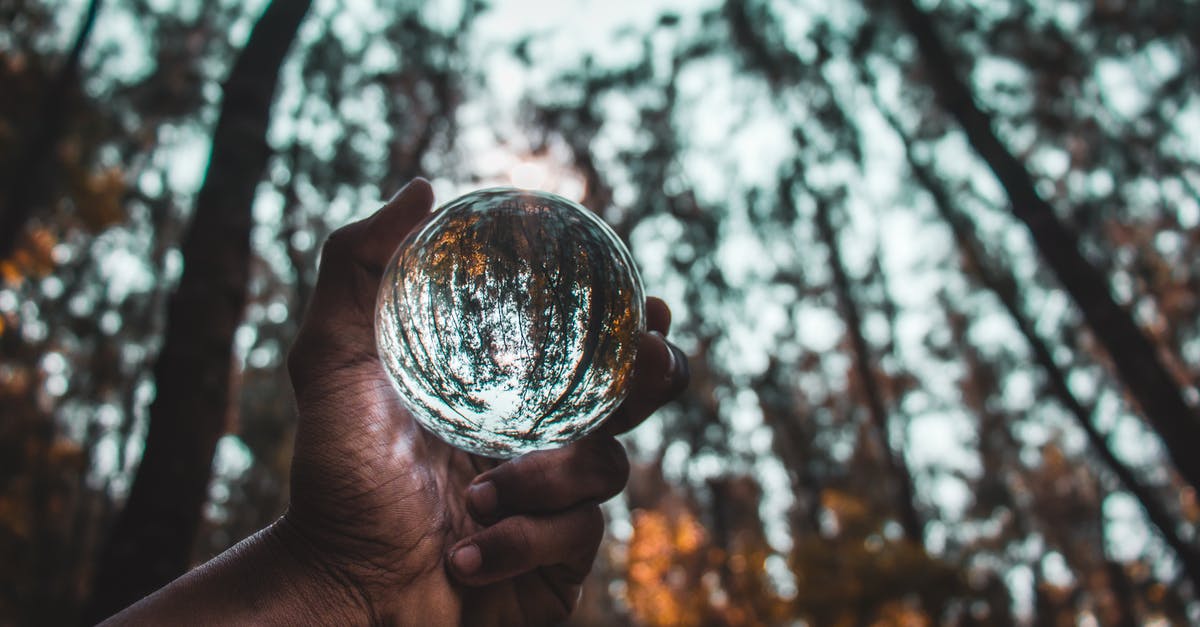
x=680, y=371
x=467, y=559
x=483, y=499
x=669, y=359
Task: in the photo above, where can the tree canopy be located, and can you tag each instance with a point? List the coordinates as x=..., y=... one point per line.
x=935, y=266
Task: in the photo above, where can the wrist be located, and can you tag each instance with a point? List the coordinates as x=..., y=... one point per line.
x=372, y=592
x=270, y=578
x=318, y=589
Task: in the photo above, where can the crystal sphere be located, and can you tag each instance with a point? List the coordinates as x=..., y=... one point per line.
x=509, y=321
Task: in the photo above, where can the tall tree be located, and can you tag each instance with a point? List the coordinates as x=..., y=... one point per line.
x=1133, y=355
x=152, y=538
x=32, y=172
x=893, y=459
x=684, y=147
x=1004, y=287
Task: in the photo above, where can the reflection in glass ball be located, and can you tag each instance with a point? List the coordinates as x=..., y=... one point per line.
x=508, y=321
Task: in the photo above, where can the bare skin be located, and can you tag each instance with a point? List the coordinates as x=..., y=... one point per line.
x=387, y=523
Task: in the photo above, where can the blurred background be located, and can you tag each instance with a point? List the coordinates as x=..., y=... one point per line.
x=935, y=264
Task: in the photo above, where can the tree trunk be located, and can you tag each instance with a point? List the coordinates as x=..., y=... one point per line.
x=910, y=521
x=1132, y=354
x=152, y=538
x=34, y=169
x=1004, y=287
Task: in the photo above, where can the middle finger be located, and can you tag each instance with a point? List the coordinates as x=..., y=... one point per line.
x=591, y=470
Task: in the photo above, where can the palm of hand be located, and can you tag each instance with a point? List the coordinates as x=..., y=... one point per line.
x=386, y=503
x=391, y=494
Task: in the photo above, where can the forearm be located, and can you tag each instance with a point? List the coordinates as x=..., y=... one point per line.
x=269, y=578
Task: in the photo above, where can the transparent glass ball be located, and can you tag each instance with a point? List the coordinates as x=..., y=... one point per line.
x=509, y=321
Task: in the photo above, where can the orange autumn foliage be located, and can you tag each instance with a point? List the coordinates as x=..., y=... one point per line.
x=661, y=553
x=33, y=259
x=99, y=197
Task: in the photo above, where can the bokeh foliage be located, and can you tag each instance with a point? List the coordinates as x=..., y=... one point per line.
x=831, y=366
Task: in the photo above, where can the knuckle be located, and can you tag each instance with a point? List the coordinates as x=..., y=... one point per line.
x=522, y=536
x=608, y=466
x=337, y=243
x=592, y=526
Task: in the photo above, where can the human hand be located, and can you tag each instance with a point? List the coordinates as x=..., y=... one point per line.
x=412, y=529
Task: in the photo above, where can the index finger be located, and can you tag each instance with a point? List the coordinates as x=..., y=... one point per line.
x=660, y=373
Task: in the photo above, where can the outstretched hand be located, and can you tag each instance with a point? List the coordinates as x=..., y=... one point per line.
x=413, y=529
x=387, y=523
